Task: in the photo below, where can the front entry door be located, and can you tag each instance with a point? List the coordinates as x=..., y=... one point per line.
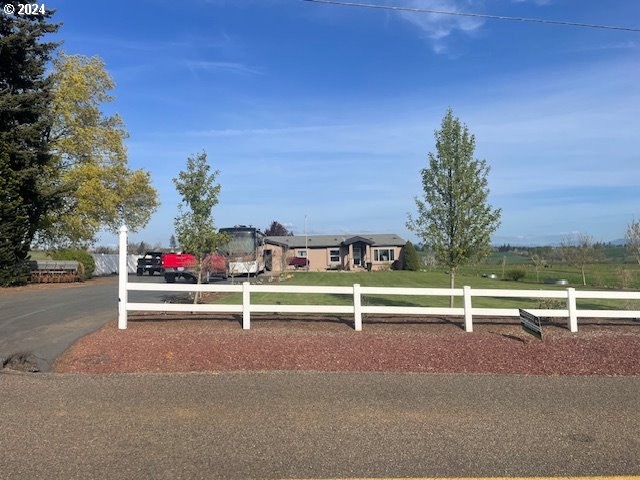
x=357, y=256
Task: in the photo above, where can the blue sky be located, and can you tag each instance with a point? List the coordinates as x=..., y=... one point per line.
x=329, y=111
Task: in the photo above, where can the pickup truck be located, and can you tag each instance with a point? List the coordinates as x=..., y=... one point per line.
x=151, y=263
x=183, y=265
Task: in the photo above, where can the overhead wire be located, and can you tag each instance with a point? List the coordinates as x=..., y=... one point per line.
x=476, y=15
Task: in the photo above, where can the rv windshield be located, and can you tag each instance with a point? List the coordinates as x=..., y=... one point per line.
x=242, y=243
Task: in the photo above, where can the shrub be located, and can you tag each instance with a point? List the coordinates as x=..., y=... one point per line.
x=515, y=274
x=384, y=267
x=82, y=256
x=551, y=304
x=410, y=258
x=624, y=278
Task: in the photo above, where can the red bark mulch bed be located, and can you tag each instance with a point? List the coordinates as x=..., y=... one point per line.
x=168, y=343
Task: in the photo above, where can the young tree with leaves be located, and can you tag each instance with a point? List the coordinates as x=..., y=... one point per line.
x=454, y=216
x=26, y=166
x=101, y=190
x=195, y=227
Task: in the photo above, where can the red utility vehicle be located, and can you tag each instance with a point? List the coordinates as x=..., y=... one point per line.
x=183, y=265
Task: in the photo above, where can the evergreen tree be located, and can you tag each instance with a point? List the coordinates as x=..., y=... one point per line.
x=277, y=230
x=454, y=217
x=410, y=258
x=26, y=166
x=142, y=248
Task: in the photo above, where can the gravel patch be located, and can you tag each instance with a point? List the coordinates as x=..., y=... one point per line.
x=175, y=343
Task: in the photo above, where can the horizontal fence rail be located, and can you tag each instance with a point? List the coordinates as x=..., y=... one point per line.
x=355, y=292
x=357, y=309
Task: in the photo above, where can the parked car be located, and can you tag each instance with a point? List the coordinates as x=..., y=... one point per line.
x=299, y=262
x=183, y=265
x=151, y=263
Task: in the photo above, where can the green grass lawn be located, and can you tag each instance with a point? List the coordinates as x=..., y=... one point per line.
x=39, y=255
x=431, y=279
x=598, y=275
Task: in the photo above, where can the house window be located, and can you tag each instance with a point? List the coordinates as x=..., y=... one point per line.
x=334, y=256
x=301, y=253
x=384, y=254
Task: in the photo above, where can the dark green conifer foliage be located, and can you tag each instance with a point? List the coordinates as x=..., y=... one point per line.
x=26, y=166
x=410, y=258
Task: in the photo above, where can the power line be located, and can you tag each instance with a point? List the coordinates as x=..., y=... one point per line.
x=477, y=15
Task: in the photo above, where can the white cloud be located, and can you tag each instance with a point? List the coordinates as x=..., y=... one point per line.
x=625, y=45
x=252, y=132
x=537, y=2
x=437, y=27
x=232, y=67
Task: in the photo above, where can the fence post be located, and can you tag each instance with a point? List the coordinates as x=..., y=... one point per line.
x=357, y=308
x=246, y=306
x=573, y=310
x=468, y=317
x=123, y=272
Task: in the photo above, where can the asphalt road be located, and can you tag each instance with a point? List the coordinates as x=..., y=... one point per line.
x=316, y=425
x=46, y=319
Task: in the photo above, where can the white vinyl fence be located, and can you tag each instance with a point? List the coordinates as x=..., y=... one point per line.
x=107, y=263
x=570, y=295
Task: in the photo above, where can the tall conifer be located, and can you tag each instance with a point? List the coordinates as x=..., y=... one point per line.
x=26, y=165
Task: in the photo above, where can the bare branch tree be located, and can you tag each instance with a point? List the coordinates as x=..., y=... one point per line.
x=538, y=263
x=579, y=251
x=632, y=237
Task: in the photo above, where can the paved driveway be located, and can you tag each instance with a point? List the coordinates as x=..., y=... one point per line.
x=46, y=319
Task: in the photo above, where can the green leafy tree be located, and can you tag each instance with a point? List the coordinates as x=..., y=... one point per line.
x=454, y=217
x=26, y=165
x=195, y=227
x=102, y=191
x=410, y=258
x=173, y=245
x=82, y=256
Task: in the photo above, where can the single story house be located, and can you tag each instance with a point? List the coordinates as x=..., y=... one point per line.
x=333, y=252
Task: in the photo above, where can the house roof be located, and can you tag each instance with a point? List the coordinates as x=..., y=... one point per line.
x=358, y=238
x=324, y=241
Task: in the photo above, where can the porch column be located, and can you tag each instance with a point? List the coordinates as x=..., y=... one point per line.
x=350, y=256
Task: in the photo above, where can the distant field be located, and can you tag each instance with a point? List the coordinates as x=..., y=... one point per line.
x=431, y=279
x=511, y=259
x=598, y=275
x=608, y=255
